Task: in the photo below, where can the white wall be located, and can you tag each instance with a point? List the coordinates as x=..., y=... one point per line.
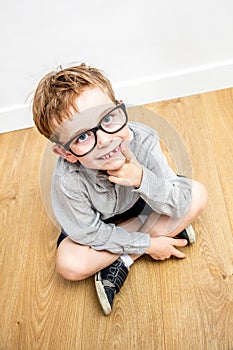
x=151, y=50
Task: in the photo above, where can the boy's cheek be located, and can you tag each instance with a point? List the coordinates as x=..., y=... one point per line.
x=126, y=133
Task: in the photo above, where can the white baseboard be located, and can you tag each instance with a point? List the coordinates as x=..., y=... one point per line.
x=178, y=84
x=19, y=117
x=143, y=90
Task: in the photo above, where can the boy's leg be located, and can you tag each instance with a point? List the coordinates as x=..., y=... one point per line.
x=76, y=262
x=161, y=225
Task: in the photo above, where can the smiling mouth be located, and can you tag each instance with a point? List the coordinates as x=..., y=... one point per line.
x=111, y=154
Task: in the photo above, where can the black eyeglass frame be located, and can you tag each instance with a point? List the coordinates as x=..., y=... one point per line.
x=94, y=130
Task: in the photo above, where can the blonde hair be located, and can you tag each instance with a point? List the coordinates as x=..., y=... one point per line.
x=56, y=94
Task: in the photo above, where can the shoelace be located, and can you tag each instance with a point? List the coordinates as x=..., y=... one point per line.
x=116, y=274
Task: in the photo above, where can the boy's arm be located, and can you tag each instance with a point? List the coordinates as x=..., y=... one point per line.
x=83, y=225
x=153, y=179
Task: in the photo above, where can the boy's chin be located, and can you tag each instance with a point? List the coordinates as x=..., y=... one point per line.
x=113, y=164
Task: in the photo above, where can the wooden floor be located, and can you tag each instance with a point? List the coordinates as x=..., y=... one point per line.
x=172, y=305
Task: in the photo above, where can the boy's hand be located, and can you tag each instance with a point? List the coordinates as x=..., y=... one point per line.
x=130, y=173
x=163, y=247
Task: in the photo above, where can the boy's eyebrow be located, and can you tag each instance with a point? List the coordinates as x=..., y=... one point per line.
x=64, y=128
x=78, y=133
x=102, y=114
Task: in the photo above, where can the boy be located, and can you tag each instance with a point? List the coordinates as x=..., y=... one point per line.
x=108, y=172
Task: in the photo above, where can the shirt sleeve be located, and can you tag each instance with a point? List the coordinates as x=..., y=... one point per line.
x=163, y=190
x=83, y=224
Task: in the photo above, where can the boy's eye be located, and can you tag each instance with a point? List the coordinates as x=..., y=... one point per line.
x=107, y=120
x=84, y=137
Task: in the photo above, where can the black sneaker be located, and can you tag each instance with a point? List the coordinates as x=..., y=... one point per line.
x=108, y=282
x=188, y=234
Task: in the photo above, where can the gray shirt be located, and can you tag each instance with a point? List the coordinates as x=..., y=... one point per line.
x=82, y=198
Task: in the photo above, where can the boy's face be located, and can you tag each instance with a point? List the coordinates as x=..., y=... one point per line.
x=92, y=105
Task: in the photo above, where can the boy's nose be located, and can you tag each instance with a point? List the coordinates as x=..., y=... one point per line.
x=103, y=139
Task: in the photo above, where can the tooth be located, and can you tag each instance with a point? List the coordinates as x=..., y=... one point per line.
x=110, y=154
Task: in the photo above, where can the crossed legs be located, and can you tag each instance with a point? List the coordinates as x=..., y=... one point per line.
x=76, y=262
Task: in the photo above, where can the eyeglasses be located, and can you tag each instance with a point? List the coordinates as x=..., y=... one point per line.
x=112, y=122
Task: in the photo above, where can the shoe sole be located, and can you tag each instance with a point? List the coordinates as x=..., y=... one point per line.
x=191, y=234
x=102, y=297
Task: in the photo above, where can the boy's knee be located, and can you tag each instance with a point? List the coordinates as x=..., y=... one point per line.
x=200, y=196
x=69, y=269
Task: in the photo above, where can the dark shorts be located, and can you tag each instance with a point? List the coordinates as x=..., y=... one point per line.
x=136, y=209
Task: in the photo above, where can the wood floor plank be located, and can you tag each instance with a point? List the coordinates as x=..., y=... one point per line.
x=220, y=128
x=204, y=300
x=175, y=304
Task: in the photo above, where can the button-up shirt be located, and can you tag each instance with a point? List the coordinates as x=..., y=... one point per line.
x=82, y=197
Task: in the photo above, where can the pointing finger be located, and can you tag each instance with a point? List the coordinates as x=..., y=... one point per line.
x=177, y=253
x=125, y=150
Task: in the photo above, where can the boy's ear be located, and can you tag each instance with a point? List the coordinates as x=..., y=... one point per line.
x=62, y=152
